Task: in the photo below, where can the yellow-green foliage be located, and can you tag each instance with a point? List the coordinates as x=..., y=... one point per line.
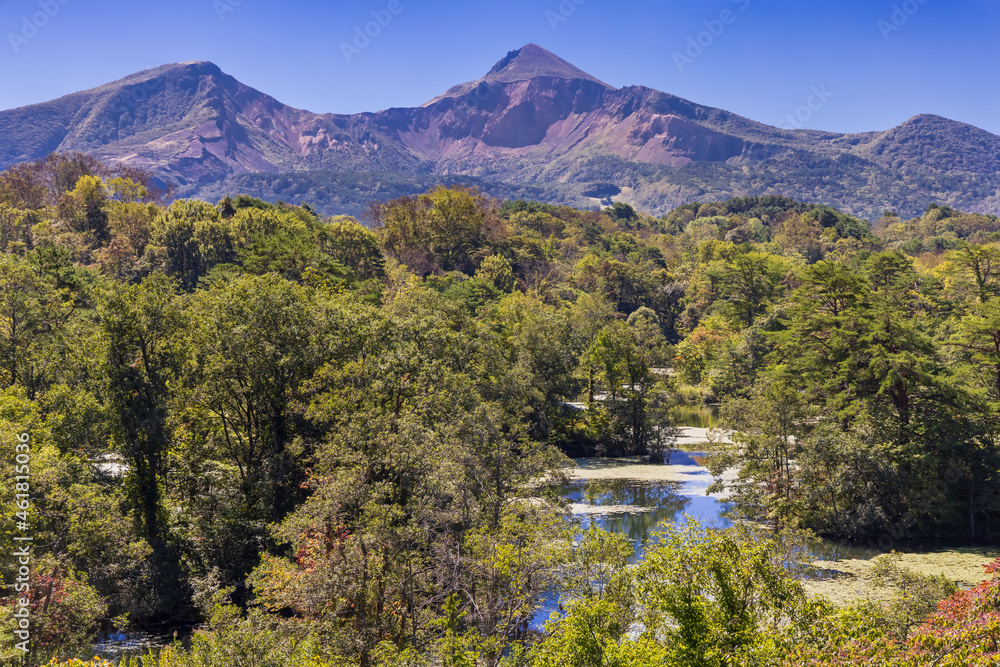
x=364, y=455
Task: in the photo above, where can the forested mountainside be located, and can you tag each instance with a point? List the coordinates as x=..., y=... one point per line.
x=336, y=443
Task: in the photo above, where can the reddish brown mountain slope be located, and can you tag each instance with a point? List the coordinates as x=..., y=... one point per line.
x=532, y=119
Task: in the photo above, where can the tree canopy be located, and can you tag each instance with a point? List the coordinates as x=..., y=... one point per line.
x=339, y=443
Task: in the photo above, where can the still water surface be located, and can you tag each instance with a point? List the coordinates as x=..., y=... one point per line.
x=654, y=503
x=633, y=498
x=701, y=416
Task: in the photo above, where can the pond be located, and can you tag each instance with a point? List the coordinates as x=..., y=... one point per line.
x=631, y=497
x=114, y=646
x=639, y=524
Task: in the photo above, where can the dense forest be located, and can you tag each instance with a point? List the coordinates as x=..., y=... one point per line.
x=319, y=441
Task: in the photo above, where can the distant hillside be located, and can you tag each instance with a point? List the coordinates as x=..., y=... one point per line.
x=533, y=123
x=349, y=193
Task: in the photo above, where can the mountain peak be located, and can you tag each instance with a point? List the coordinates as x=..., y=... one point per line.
x=195, y=68
x=532, y=61
x=524, y=64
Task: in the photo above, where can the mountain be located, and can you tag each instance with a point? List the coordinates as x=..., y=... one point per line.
x=534, y=125
x=192, y=124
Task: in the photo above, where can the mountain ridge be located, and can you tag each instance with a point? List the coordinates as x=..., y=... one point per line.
x=532, y=120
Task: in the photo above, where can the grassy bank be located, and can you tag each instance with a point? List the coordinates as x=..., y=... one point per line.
x=850, y=579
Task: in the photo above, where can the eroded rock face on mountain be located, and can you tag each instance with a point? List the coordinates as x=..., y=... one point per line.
x=532, y=119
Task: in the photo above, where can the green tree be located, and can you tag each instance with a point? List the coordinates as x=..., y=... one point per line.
x=188, y=239
x=446, y=229
x=537, y=344
x=33, y=320
x=624, y=354
x=85, y=209
x=750, y=281
x=354, y=246
x=719, y=598
x=496, y=270
x=974, y=270
x=142, y=326
x=766, y=429
x=862, y=345
x=622, y=213
x=253, y=345
x=977, y=335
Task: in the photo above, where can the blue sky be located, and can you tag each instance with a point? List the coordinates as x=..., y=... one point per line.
x=881, y=61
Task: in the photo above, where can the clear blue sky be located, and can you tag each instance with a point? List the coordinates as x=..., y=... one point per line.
x=943, y=59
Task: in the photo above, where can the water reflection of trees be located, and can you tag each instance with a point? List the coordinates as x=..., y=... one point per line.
x=637, y=526
x=655, y=502
x=637, y=493
x=698, y=417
